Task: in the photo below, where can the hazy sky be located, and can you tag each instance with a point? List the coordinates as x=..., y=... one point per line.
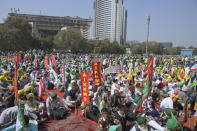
x=171, y=20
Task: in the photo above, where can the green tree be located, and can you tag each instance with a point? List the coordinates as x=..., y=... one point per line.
x=15, y=34
x=102, y=47
x=105, y=47
x=47, y=43
x=70, y=40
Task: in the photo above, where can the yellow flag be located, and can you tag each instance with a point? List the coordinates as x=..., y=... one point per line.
x=131, y=73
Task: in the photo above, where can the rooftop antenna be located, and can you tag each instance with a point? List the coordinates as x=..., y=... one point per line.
x=11, y=10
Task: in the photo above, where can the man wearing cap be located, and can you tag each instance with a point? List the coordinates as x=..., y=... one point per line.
x=21, y=97
x=72, y=85
x=33, y=108
x=104, y=121
x=114, y=86
x=68, y=81
x=173, y=125
x=115, y=100
x=24, y=80
x=141, y=125
x=46, y=80
x=104, y=103
x=9, y=97
x=167, y=114
x=89, y=110
x=28, y=89
x=72, y=97
x=120, y=117
x=3, y=82
x=169, y=101
x=97, y=97
x=53, y=109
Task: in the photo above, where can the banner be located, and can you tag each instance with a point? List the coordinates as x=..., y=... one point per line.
x=8, y=57
x=41, y=88
x=36, y=62
x=20, y=58
x=46, y=61
x=110, y=70
x=58, y=55
x=84, y=86
x=15, y=78
x=118, y=69
x=29, y=58
x=63, y=74
x=54, y=61
x=96, y=67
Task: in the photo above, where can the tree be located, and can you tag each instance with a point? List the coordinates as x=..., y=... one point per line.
x=102, y=47
x=70, y=40
x=105, y=47
x=15, y=35
x=47, y=43
x=190, y=47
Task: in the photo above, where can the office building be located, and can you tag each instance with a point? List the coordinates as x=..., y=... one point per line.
x=110, y=20
x=44, y=26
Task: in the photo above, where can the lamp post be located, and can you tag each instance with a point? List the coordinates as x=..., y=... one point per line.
x=147, y=35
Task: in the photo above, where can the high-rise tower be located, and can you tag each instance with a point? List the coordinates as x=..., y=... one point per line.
x=110, y=20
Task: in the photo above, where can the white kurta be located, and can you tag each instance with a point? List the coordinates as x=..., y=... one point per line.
x=167, y=103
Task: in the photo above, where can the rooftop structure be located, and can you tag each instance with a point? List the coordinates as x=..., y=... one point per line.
x=44, y=26
x=187, y=52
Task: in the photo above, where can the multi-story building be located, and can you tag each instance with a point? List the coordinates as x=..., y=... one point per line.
x=110, y=20
x=166, y=44
x=43, y=26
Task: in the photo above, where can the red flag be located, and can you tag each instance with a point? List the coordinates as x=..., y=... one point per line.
x=63, y=74
x=46, y=61
x=41, y=88
x=20, y=57
x=8, y=57
x=29, y=58
x=141, y=67
x=54, y=61
x=15, y=78
x=96, y=67
x=84, y=86
x=36, y=62
x=149, y=70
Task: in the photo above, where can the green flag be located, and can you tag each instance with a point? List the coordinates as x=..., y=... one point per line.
x=192, y=85
x=20, y=122
x=146, y=89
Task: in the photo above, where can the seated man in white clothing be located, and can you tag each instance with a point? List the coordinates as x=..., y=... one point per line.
x=169, y=101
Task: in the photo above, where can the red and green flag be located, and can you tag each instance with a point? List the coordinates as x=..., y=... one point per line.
x=186, y=111
x=147, y=84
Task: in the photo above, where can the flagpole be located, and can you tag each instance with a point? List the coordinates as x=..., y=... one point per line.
x=147, y=35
